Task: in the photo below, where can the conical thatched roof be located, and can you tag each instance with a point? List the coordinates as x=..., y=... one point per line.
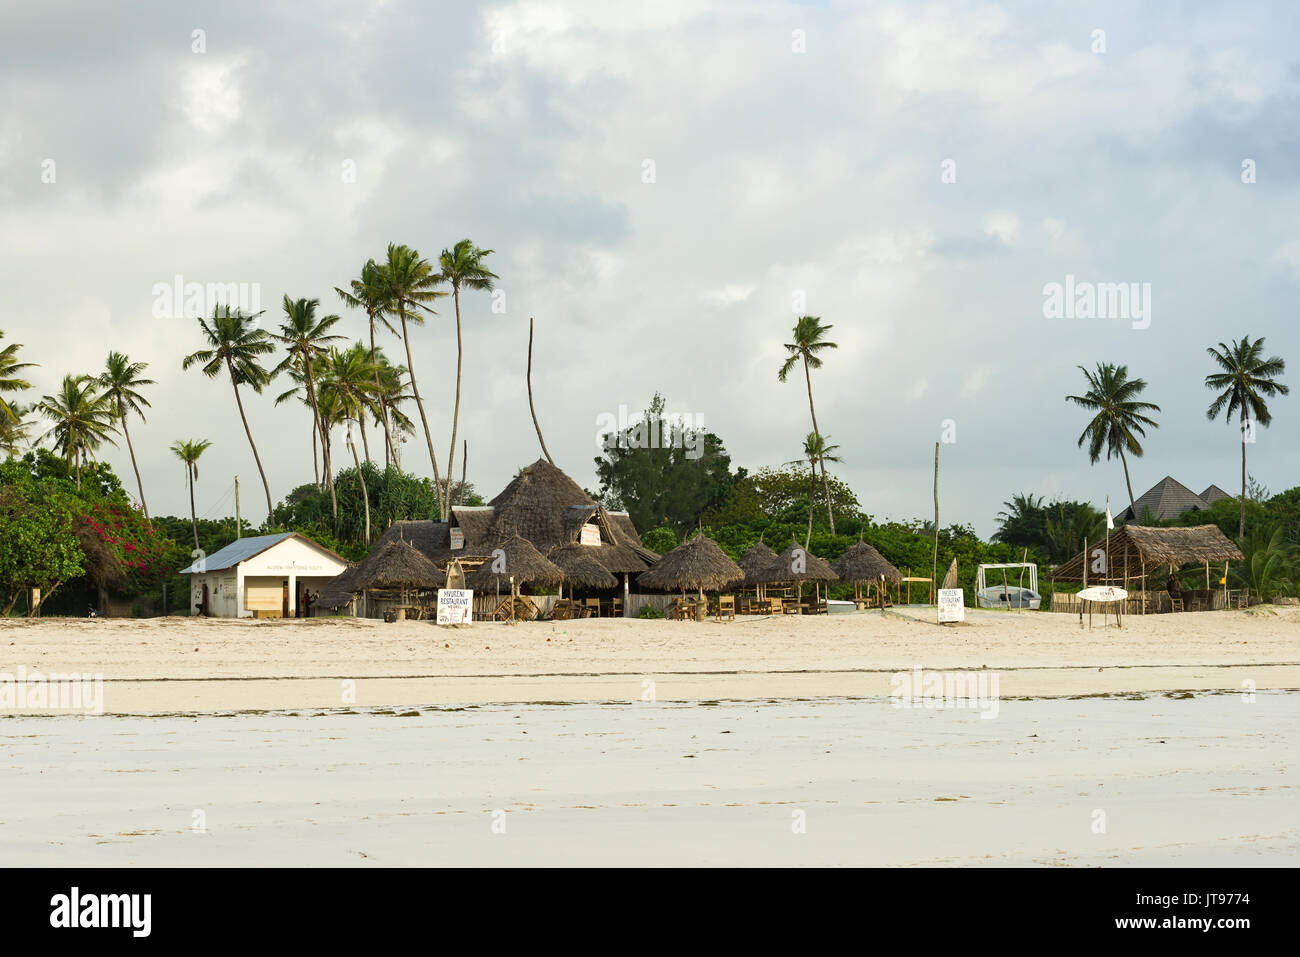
x=862, y=563
x=797, y=564
x=755, y=562
x=535, y=504
x=340, y=589
x=398, y=565
x=580, y=566
x=699, y=563
x=522, y=562
x=1133, y=550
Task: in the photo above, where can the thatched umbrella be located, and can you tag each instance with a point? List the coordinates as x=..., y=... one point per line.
x=580, y=567
x=755, y=563
x=862, y=563
x=699, y=563
x=522, y=562
x=398, y=565
x=797, y=564
x=341, y=589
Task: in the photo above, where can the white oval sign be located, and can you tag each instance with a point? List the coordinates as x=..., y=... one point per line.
x=1103, y=593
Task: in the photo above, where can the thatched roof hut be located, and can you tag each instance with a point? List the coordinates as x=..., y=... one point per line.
x=699, y=563
x=523, y=563
x=862, y=563
x=580, y=566
x=340, y=589
x=797, y=564
x=397, y=565
x=1134, y=550
x=755, y=562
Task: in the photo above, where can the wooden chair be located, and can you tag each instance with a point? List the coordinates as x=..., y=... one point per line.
x=563, y=610
x=726, y=606
x=616, y=608
x=1176, y=604
x=593, y=607
x=774, y=606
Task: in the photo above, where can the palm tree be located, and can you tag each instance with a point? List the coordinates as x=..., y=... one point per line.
x=15, y=431
x=10, y=382
x=306, y=337
x=188, y=452
x=372, y=293
x=815, y=449
x=387, y=402
x=1247, y=378
x=82, y=417
x=1120, y=417
x=462, y=267
x=121, y=381
x=410, y=281
x=349, y=379
x=809, y=340
x=235, y=345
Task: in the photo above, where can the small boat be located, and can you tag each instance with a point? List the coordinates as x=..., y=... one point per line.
x=835, y=606
x=1008, y=596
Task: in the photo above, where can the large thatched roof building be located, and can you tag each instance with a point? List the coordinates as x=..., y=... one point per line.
x=1134, y=550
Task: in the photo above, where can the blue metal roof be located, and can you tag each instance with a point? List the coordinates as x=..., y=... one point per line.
x=237, y=551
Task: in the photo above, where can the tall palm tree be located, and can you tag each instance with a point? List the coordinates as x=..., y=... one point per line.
x=235, y=346
x=188, y=452
x=410, y=281
x=121, y=381
x=11, y=382
x=372, y=294
x=810, y=340
x=387, y=404
x=349, y=379
x=306, y=337
x=816, y=449
x=82, y=417
x=1247, y=378
x=462, y=268
x=1120, y=418
x=15, y=431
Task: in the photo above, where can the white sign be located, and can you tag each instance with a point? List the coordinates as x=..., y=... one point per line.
x=455, y=606
x=457, y=538
x=952, y=604
x=1103, y=593
x=590, y=534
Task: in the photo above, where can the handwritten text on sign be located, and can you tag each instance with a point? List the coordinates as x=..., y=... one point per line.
x=952, y=604
x=455, y=606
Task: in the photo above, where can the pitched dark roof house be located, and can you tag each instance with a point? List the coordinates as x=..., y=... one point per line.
x=1168, y=499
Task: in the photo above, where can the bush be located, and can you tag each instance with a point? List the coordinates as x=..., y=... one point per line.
x=649, y=611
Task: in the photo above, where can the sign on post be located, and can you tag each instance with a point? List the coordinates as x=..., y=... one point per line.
x=952, y=605
x=455, y=606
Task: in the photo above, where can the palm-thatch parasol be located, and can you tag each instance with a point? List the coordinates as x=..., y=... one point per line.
x=580, y=566
x=398, y=565
x=340, y=589
x=521, y=561
x=699, y=563
x=862, y=563
x=797, y=564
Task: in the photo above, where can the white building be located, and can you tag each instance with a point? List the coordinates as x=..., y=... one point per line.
x=266, y=576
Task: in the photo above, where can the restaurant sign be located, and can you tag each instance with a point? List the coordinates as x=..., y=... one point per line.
x=952, y=605
x=455, y=606
x=590, y=534
x=457, y=538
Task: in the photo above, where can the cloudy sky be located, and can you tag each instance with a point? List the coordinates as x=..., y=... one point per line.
x=662, y=183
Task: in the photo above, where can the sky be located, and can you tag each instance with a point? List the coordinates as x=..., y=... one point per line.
x=667, y=187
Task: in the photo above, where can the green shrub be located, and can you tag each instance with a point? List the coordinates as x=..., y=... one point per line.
x=649, y=611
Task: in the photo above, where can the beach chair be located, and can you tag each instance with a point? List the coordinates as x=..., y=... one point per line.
x=1176, y=604
x=616, y=608
x=563, y=610
x=774, y=606
x=593, y=607
x=726, y=606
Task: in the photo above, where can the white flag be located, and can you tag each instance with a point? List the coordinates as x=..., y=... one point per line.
x=1110, y=522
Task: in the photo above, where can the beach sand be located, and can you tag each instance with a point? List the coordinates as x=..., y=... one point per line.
x=170, y=665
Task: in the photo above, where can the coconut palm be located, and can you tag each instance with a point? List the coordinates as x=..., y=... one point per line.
x=82, y=417
x=410, y=281
x=387, y=404
x=350, y=382
x=815, y=450
x=462, y=268
x=121, y=381
x=307, y=338
x=810, y=340
x=15, y=430
x=235, y=346
x=188, y=452
x=11, y=382
x=372, y=294
x=1120, y=418
x=1247, y=378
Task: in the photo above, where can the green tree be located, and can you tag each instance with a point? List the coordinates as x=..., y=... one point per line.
x=188, y=452
x=11, y=382
x=38, y=548
x=1246, y=380
x=121, y=381
x=83, y=420
x=411, y=284
x=815, y=450
x=349, y=380
x=810, y=340
x=1119, y=419
x=235, y=345
x=372, y=294
x=307, y=338
x=462, y=267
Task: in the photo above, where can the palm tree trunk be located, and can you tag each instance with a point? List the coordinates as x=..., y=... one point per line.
x=140, y=485
x=812, y=494
x=455, y=415
x=365, y=441
x=1241, y=522
x=1129, y=485
x=383, y=402
x=830, y=517
x=194, y=519
x=365, y=494
x=528, y=377
x=315, y=462
x=325, y=446
x=424, y=420
x=266, y=486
